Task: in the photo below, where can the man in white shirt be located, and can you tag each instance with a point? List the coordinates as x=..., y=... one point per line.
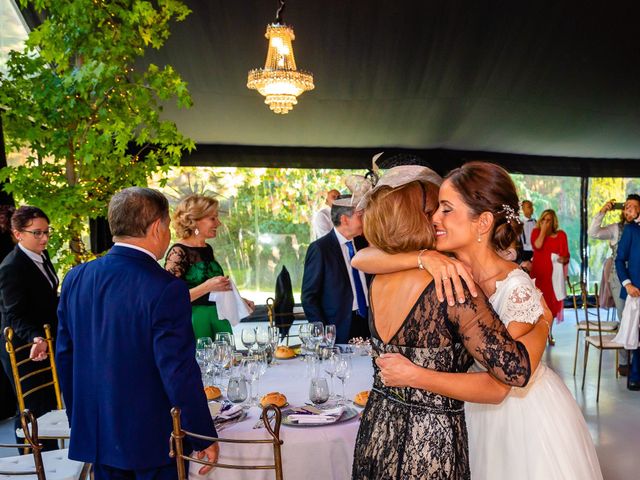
x=321, y=223
x=613, y=232
x=528, y=224
x=333, y=292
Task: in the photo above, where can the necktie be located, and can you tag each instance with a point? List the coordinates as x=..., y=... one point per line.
x=362, y=302
x=51, y=274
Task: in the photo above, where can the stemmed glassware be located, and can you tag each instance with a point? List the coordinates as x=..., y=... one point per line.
x=221, y=355
x=330, y=360
x=343, y=371
x=262, y=337
x=227, y=338
x=203, y=357
x=248, y=337
x=330, y=335
x=316, y=334
x=305, y=334
x=250, y=372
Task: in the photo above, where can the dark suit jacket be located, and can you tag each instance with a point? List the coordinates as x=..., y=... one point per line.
x=27, y=303
x=326, y=288
x=628, y=256
x=27, y=300
x=126, y=355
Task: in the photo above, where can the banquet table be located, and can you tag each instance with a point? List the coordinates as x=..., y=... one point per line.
x=313, y=452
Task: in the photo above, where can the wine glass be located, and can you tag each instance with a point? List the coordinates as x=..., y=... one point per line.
x=221, y=354
x=226, y=337
x=261, y=359
x=248, y=337
x=316, y=334
x=250, y=372
x=262, y=336
x=318, y=390
x=343, y=371
x=305, y=334
x=330, y=335
x=330, y=359
x=274, y=337
x=203, y=343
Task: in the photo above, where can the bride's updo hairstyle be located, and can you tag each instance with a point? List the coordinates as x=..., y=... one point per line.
x=486, y=187
x=399, y=219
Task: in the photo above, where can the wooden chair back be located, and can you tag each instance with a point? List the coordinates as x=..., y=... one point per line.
x=19, y=378
x=270, y=413
x=30, y=428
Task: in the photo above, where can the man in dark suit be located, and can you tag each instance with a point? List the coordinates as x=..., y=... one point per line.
x=126, y=350
x=28, y=301
x=628, y=269
x=333, y=292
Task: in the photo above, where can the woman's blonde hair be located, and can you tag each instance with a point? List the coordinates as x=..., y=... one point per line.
x=189, y=211
x=399, y=219
x=554, y=220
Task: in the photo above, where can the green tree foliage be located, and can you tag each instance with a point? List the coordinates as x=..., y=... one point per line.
x=90, y=118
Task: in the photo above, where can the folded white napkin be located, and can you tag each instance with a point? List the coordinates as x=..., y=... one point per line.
x=327, y=416
x=230, y=305
x=232, y=412
x=558, y=278
x=628, y=332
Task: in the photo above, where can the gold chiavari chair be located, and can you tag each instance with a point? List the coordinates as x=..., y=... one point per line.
x=581, y=325
x=52, y=465
x=599, y=341
x=48, y=374
x=30, y=428
x=269, y=413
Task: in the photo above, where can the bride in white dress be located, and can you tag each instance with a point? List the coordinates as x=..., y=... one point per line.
x=531, y=433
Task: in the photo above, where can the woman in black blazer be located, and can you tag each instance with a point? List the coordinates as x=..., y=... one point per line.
x=29, y=300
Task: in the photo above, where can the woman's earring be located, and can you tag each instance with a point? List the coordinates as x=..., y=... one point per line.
x=196, y=232
x=479, y=239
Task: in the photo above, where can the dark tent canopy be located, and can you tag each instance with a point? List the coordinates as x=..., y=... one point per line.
x=554, y=86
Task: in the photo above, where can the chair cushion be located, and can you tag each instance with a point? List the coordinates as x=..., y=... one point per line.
x=54, y=424
x=57, y=466
x=605, y=326
x=607, y=341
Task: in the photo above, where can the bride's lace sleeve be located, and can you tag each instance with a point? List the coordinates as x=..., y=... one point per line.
x=486, y=338
x=523, y=304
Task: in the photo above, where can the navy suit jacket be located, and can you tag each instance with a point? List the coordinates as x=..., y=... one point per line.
x=126, y=355
x=628, y=256
x=326, y=287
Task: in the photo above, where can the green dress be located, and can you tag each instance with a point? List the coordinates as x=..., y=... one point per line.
x=196, y=265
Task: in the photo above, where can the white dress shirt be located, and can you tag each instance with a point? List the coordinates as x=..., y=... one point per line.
x=38, y=260
x=321, y=223
x=609, y=232
x=345, y=253
x=528, y=224
x=135, y=247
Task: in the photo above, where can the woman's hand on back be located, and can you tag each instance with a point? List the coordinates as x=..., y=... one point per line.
x=447, y=273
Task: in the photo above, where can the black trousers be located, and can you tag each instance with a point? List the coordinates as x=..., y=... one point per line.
x=359, y=326
x=39, y=402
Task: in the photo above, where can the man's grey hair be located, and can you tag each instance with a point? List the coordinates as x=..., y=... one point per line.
x=134, y=209
x=338, y=210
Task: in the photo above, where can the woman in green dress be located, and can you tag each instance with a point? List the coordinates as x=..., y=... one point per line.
x=195, y=220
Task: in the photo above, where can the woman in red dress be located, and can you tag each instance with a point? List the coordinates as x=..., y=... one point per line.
x=546, y=239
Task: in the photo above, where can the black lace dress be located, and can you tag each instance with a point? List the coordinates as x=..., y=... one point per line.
x=406, y=433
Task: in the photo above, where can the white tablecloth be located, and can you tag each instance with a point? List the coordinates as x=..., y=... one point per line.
x=318, y=452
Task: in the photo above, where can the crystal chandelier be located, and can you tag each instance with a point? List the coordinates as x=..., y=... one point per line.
x=280, y=81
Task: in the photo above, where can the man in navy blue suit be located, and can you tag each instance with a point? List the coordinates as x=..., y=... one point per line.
x=628, y=269
x=126, y=350
x=333, y=292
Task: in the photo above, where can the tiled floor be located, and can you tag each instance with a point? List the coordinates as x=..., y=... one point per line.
x=614, y=422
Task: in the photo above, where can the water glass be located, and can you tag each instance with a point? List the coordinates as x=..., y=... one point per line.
x=250, y=372
x=318, y=390
x=237, y=389
x=330, y=359
x=262, y=336
x=203, y=343
x=221, y=355
x=305, y=334
x=330, y=335
x=316, y=334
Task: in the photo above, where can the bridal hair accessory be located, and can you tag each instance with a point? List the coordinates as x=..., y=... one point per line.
x=510, y=213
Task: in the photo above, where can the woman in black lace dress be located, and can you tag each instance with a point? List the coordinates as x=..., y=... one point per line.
x=408, y=433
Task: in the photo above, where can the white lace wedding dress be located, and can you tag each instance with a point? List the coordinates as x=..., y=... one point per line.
x=537, y=432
